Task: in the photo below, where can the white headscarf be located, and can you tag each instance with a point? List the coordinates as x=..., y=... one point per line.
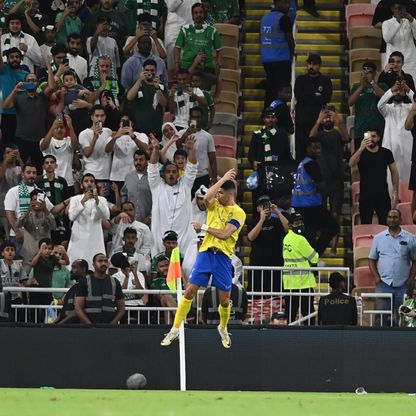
x=172, y=149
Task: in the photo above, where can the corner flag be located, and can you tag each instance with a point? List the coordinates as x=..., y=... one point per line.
x=174, y=271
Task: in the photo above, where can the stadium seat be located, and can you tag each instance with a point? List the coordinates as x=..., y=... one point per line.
x=363, y=277
x=405, y=194
x=366, y=230
x=359, y=56
x=224, y=164
x=364, y=37
x=229, y=34
x=230, y=80
x=225, y=124
x=355, y=192
x=359, y=15
x=366, y=304
x=230, y=57
x=361, y=256
x=167, y=117
x=225, y=146
x=228, y=102
x=406, y=210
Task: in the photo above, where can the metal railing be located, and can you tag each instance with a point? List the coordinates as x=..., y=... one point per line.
x=262, y=304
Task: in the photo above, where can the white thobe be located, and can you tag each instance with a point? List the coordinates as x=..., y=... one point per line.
x=144, y=236
x=179, y=14
x=396, y=137
x=87, y=237
x=33, y=55
x=400, y=37
x=172, y=207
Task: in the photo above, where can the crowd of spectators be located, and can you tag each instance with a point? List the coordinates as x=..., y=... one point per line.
x=92, y=168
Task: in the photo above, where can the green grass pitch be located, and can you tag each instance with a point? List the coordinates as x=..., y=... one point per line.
x=45, y=402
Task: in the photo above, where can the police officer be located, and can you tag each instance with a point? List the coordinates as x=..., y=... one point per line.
x=307, y=200
x=297, y=252
x=99, y=298
x=277, y=48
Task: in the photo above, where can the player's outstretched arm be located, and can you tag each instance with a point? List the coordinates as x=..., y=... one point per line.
x=212, y=191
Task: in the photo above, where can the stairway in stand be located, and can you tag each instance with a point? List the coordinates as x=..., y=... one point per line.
x=324, y=36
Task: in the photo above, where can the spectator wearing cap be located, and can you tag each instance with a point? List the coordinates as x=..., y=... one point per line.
x=130, y=277
x=399, y=32
x=394, y=106
x=373, y=160
x=266, y=233
x=365, y=96
x=101, y=43
x=11, y=74
x=277, y=48
x=394, y=69
x=269, y=147
x=307, y=200
x=68, y=22
x=283, y=113
x=392, y=261
x=337, y=308
x=169, y=242
x=136, y=187
x=312, y=92
x=144, y=28
x=49, y=40
x=298, y=253
x=278, y=319
x=16, y=38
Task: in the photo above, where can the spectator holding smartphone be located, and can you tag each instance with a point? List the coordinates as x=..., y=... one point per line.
x=68, y=22
x=399, y=32
x=394, y=69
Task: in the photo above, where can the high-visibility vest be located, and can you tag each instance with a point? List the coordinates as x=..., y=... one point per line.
x=273, y=43
x=305, y=193
x=297, y=252
x=100, y=299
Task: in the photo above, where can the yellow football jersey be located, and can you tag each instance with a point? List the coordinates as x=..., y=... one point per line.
x=218, y=217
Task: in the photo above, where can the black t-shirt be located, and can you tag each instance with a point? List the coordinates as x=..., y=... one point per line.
x=337, y=309
x=43, y=270
x=267, y=248
x=373, y=171
x=331, y=156
x=389, y=78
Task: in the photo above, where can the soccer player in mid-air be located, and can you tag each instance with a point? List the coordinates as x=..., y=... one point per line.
x=224, y=222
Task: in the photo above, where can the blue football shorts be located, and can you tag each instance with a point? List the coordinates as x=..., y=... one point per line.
x=216, y=264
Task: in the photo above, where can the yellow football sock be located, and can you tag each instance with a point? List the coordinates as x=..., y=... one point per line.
x=183, y=309
x=224, y=315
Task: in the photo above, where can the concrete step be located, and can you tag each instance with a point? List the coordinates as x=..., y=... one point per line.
x=258, y=70
x=320, y=4
x=257, y=14
x=258, y=95
x=320, y=26
x=251, y=82
x=312, y=38
x=302, y=49
x=257, y=106
x=329, y=61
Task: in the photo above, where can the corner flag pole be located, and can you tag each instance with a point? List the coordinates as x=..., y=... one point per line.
x=182, y=358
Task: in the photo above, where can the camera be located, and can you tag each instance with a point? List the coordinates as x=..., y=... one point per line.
x=125, y=123
x=59, y=116
x=192, y=124
x=65, y=61
x=391, y=60
x=40, y=197
x=99, y=125
x=90, y=189
x=149, y=75
x=400, y=78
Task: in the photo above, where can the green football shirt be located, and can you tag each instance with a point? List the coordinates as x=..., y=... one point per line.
x=192, y=39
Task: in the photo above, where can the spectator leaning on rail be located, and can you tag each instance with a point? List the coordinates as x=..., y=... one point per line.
x=337, y=308
x=99, y=298
x=392, y=261
x=297, y=252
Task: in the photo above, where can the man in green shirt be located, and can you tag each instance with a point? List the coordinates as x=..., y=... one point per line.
x=225, y=11
x=68, y=22
x=156, y=8
x=147, y=100
x=208, y=111
x=198, y=39
x=365, y=95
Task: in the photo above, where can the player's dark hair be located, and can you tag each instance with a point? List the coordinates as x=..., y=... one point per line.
x=228, y=185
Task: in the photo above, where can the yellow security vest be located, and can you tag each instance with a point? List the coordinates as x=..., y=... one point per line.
x=297, y=252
